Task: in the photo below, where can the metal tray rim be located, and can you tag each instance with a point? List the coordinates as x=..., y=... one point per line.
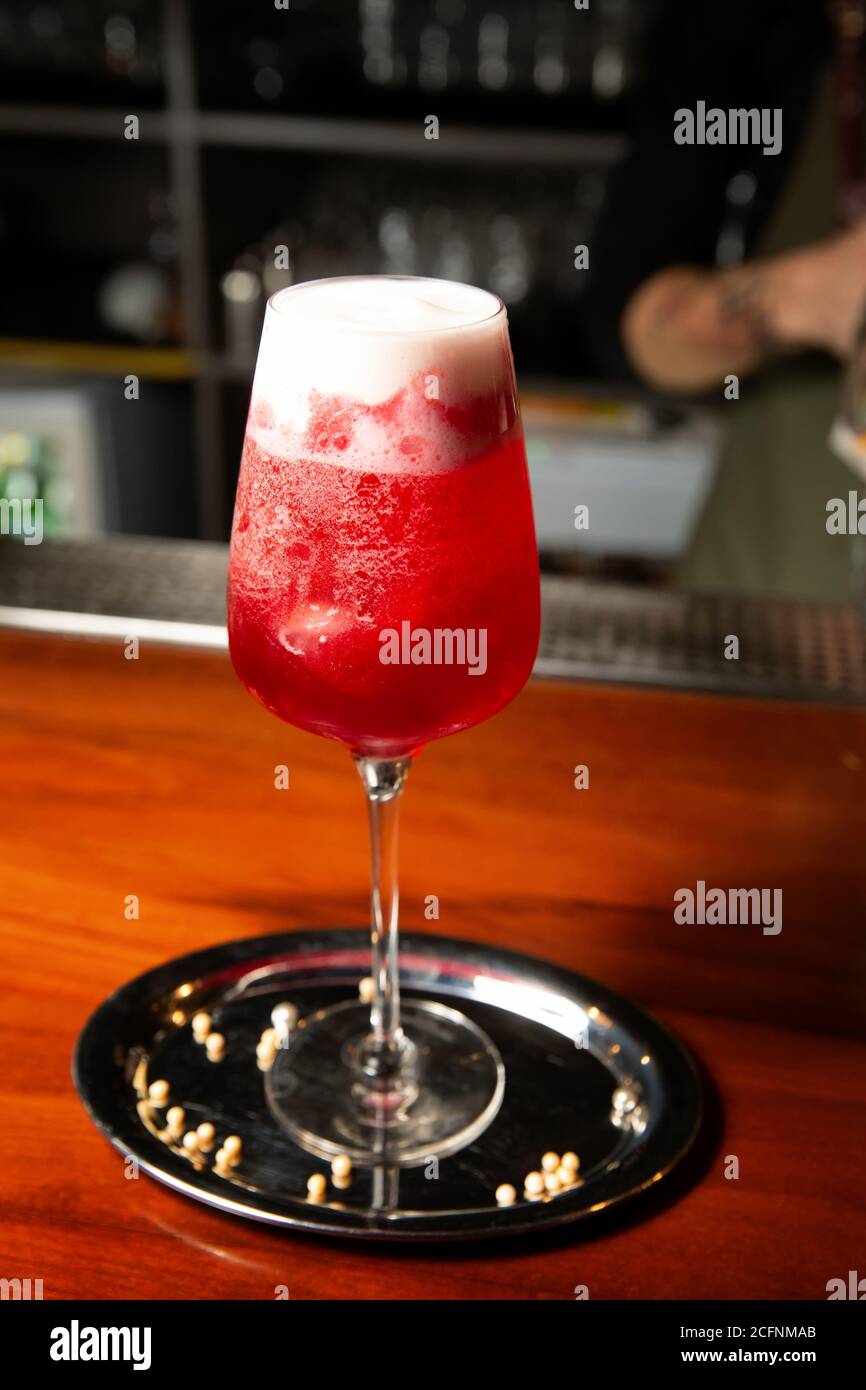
x=464, y=1226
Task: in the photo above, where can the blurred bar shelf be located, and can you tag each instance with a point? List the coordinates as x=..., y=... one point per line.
x=193, y=131
x=37, y=354
x=321, y=134
x=174, y=591
x=79, y=122
x=186, y=132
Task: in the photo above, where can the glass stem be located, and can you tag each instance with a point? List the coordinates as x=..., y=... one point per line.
x=386, y=1057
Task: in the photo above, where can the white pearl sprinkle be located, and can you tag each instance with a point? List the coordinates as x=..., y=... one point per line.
x=366, y=989
x=201, y=1026
x=206, y=1135
x=317, y=1185
x=175, y=1117
x=534, y=1184
x=284, y=1017
x=191, y=1142
x=506, y=1194
x=550, y=1162
x=221, y=1161
x=215, y=1044
x=159, y=1092
x=232, y=1146
x=571, y=1160
x=567, y=1176
x=624, y=1100
x=341, y=1166
x=552, y=1183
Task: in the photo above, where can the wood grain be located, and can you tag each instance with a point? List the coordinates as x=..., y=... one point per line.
x=155, y=777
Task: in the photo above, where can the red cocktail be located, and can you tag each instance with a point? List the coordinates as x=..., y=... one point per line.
x=383, y=591
x=328, y=555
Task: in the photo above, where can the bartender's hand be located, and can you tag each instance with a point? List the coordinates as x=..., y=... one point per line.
x=820, y=293
x=686, y=329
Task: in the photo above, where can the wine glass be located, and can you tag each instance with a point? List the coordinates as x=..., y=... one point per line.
x=383, y=591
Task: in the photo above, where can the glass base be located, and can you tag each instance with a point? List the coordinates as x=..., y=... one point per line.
x=317, y=1089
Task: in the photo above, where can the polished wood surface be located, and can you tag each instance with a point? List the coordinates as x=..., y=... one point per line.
x=155, y=777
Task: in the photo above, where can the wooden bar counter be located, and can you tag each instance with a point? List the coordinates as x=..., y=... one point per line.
x=155, y=777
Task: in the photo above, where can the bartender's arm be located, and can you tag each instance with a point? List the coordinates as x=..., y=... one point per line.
x=686, y=328
x=654, y=303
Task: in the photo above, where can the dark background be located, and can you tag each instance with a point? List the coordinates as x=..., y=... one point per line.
x=304, y=128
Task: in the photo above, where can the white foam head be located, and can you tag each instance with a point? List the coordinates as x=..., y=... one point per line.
x=385, y=304
x=365, y=338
